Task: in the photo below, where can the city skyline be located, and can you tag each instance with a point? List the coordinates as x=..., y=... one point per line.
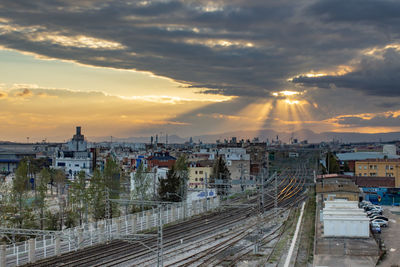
x=195, y=68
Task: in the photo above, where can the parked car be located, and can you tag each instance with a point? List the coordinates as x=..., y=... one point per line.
x=368, y=208
x=364, y=203
x=373, y=207
x=382, y=223
x=372, y=214
x=379, y=217
x=375, y=227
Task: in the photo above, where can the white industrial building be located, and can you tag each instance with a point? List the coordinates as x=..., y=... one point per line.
x=344, y=219
x=75, y=157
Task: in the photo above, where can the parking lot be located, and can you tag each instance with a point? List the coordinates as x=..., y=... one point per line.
x=390, y=237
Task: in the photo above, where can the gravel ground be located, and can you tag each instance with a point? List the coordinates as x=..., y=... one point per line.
x=390, y=236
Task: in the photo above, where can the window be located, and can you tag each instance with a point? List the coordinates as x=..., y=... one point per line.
x=195, y=172
x=365, y=174
x=200, y=172
x=195, y=179
x=76, y=165
x=360, y=174
x=360, y=167
x=61, y=164
x=365, y=167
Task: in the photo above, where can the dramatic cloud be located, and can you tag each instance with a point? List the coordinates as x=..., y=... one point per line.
x=380, y=120
x=231, y=47
x=341, y=56
x=377, y=76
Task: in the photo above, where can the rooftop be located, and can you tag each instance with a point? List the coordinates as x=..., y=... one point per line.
x=364, y=156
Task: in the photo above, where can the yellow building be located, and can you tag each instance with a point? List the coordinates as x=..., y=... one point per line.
x=380, y=168
x=196, y=176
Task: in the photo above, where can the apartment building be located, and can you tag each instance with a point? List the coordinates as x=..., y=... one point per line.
x=380, y=168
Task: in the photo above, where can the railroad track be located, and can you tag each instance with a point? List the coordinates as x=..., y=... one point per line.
x=215, y=255
x=121, y=252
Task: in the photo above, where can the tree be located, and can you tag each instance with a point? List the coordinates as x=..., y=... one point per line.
x=112, y=176
x=59, y=179
x=79, y=196
x=141, y=184
x=331, y=163
x=181, y=167
x=51, y=220
x=220, y=171
x=170, y=185
x=40, y=197
x=97, y=196
x=7, y=205
x=20, y=187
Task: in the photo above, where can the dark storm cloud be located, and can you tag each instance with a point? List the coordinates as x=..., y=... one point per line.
x=374, y=75
x=236, y=47
x=367, y=11
x=377, y=121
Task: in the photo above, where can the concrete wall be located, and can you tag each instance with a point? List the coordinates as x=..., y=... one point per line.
x=346, y=226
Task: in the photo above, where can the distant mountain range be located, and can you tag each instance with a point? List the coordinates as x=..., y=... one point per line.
x=265, y=134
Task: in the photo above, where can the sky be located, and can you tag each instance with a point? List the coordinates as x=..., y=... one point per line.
x=195, y=67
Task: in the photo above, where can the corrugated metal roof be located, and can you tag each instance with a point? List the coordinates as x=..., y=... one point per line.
x=364, y=156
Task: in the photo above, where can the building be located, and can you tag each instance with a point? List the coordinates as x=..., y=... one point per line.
x=382, y=196
x=347, y=160
x=10, y=158
x=75, y=157
x=240, y=174
x=331, y=187
x=160, y=159
x=197, y=174
x=379, y=167
x=344, y=219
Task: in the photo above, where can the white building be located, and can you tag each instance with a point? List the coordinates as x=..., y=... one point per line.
x=344, y=219
x=234, y=153
x=75, y=157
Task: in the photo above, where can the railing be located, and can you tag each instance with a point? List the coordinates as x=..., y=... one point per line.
x=98, y=232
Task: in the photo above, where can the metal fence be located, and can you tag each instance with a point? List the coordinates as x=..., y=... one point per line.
x=98, y=232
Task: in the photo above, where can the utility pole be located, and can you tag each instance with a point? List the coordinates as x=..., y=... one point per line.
x=108, y=211
x=241, y=176
x=260, y=212
x=160, y=251
x=205, y=188
x=276, y=198
x=154, y=184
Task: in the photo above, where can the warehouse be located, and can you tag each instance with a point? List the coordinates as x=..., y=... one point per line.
x=344, y=219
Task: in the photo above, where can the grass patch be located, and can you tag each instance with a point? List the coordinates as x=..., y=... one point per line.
x=289, y=226
x=306, y=243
